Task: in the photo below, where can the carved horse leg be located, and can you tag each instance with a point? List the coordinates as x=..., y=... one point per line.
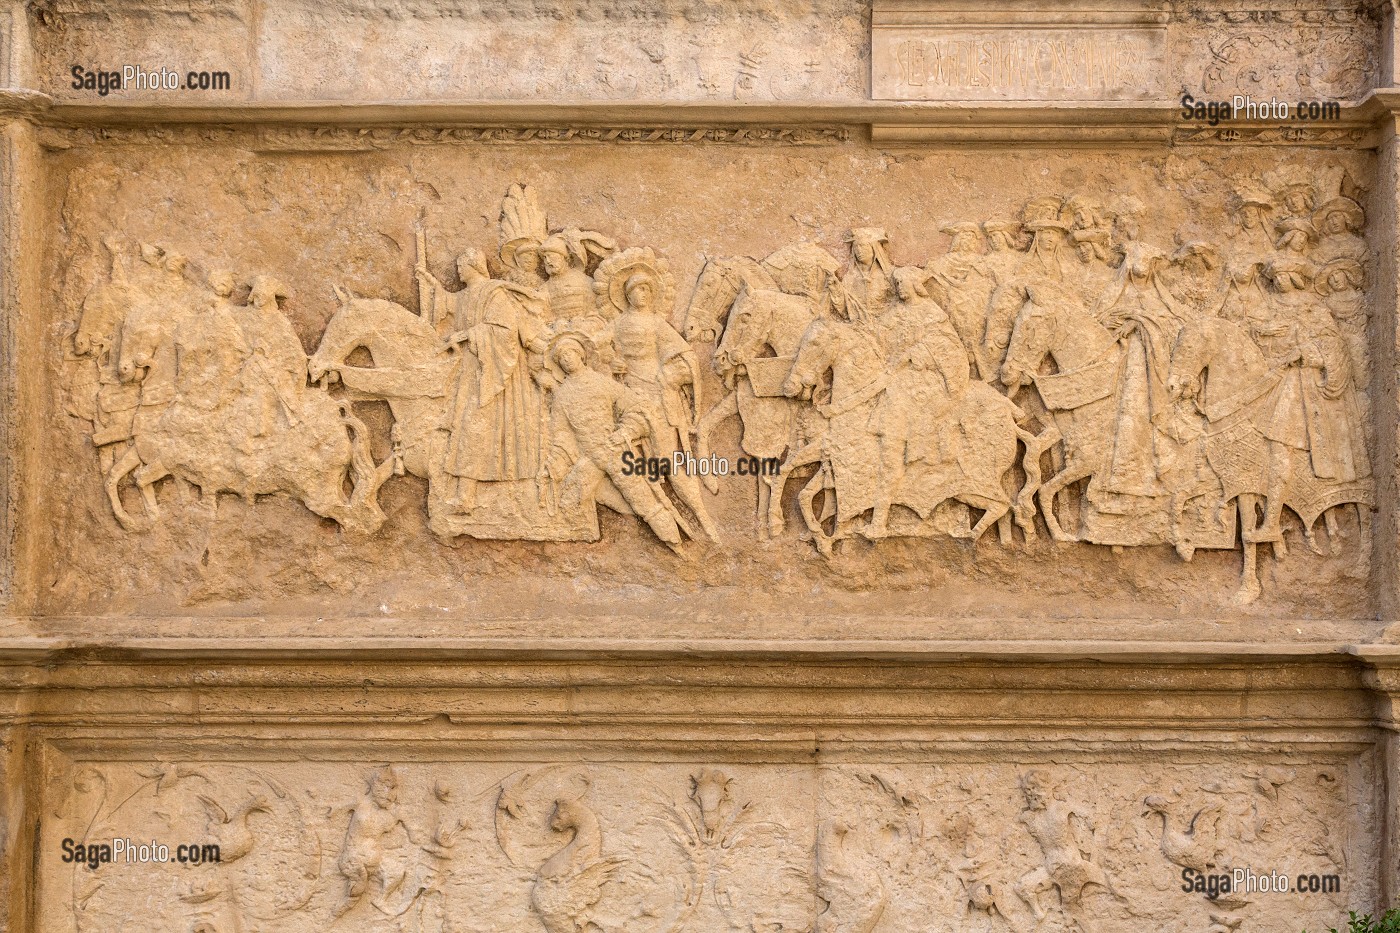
x=810, y=453
x=129, y=462
x=1334, y=532
x=1072, y=473
x=1249, y=574
x=146, y=477
x=992, y=511
x=1036, y=445
x=761, y=516
x=1362, y=567
x=724, y=408
x=805, y=499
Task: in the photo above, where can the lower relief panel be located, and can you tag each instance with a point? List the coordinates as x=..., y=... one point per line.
x=500, y=845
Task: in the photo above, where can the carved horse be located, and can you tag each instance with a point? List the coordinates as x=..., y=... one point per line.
x=849, y=451
x=308, y=454
x=1216, y=363
x=411, y=372
x=1080, y=397
x=762, y=330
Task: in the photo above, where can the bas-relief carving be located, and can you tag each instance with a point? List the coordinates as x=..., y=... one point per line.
x=1124, y=51
x=1296, y=52
x=598, y=49
x=1058, y=370
x=669, y=848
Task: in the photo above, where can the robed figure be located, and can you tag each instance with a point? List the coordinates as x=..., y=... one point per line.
x=496, y=421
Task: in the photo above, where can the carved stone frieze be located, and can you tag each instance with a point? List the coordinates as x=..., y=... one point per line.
x=476, y=846
x=1060, y=371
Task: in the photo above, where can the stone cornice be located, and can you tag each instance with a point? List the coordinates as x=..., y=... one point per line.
x=1155, y=123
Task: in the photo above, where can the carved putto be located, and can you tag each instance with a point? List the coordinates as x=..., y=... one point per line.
x=1060, y=370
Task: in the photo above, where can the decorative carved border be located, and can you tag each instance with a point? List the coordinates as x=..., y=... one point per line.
x=365, y=139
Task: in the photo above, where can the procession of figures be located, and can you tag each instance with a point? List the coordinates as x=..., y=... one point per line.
x=1058, y=371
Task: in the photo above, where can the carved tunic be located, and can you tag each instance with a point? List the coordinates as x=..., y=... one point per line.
x=659, y=365
x=571, y=296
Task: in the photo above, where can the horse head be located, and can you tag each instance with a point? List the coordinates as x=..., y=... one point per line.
x=145, y=332
x=715, y=290
x=814, y=357
x=745, y=335
x=1032, y=337
x=100, y=319
x=341, y=337
x=1190, y=357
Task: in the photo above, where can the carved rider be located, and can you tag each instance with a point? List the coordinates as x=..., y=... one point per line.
x=1314, y=405
x=1339, y=222
x=210, y=349
x=277, y=368
x=497, y=415
x=572, y=302
x=593, y=421
x=1143, y=314
x=1045, y=218
x=913, y=416
x=867, y=278
x=1091, y=238
x=1250, y=207
x=961, y=287
x=522, y=232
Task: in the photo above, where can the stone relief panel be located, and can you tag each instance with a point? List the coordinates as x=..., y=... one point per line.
x=1295, y=51
x=495, y=846
x=934, y=50
x=1070, y=372
x=763, y=50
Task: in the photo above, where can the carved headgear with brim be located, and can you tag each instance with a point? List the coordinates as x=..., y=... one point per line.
x=1010, y=229
x=1290, y=180
x=1248, y=194
x=875, y=238
x=1295, y=230
x=962, y=229
x=636, y=263
x=1298, y=273
x=1202, y=251
x=1043, y=213
x=1355, y=216
x=1349, y=269
x=571, y=338
x=1077, y=204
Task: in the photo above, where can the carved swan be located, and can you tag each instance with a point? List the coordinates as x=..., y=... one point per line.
x=571, y=881
x=855, y=896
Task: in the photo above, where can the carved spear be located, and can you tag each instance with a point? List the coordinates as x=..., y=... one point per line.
x=427, y=297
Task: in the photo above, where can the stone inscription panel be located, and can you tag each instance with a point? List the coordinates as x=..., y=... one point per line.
x=478, y=380
x=936, y=63
x=488, y=846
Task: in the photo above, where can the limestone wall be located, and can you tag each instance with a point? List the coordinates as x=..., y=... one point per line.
x=330, y=398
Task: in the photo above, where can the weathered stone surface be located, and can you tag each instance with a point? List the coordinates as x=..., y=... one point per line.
x=336, y=531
